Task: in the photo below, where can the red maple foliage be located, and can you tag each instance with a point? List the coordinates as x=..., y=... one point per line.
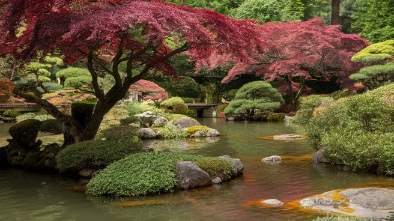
x=6, y=88
x=297, y=51
x=108, y=34
x=151, y=90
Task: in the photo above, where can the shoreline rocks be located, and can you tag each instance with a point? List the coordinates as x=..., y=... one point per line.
x=369, y=202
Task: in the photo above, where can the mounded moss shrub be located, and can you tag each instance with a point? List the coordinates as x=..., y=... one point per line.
x=174, y=105
x=138, y=174
x=119, y=132
x=357, y=131
x=50, y=126
x=25, y=132
x=216, y=167
x=95, y=154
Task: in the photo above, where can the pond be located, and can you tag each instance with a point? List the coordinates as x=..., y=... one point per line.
x=31, y=196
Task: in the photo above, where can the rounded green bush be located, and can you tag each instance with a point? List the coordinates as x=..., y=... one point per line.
x=307, y=107
x=357, y=131
x=50, y=126
x=119, y=132
x=95, y=154
x=138, y=174
x=174, y=105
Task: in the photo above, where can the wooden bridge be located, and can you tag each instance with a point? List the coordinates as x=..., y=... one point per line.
x=203, y=109
x=21, y=107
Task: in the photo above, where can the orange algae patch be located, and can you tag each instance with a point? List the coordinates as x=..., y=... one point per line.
x=283, y=137
x=153, y=202
x=80, y=188
x=337, y=197
x=296, y=159
x=247, y=178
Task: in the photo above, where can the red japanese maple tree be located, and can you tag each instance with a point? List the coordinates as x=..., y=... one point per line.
x=297, y=51
x=107, y=34
x=151, y=89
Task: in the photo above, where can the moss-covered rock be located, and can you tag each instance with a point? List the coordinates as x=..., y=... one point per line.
x=25, y=133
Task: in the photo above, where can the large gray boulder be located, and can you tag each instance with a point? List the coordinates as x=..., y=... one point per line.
x=319, y=157
x=368, y=202
x=146, y=133
x=147, y=118
x=190, y=176
x=185, y=122
x=160, y=122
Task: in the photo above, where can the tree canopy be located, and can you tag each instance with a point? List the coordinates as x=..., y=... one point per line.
x=373, y=19
x=297, y=51
x=136, y=36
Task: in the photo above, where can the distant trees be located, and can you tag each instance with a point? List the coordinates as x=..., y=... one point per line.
x=256, y=95
x=270, y=11
x=373, y=19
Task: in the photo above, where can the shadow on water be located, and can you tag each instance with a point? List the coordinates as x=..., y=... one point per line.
x=27, y=196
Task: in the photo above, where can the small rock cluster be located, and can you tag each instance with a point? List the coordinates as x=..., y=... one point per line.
x=149, y=119
x=23, y=150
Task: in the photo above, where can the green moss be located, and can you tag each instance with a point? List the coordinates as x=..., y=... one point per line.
x=216, y=167
x=95, y=154
x=192, y=130
x=151, y=173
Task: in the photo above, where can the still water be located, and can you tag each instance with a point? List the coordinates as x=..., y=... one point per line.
x=41, y=197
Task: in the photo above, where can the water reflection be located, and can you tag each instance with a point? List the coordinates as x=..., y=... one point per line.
x=31, y=196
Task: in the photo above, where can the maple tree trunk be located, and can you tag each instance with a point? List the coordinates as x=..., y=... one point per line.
x=335, y=6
